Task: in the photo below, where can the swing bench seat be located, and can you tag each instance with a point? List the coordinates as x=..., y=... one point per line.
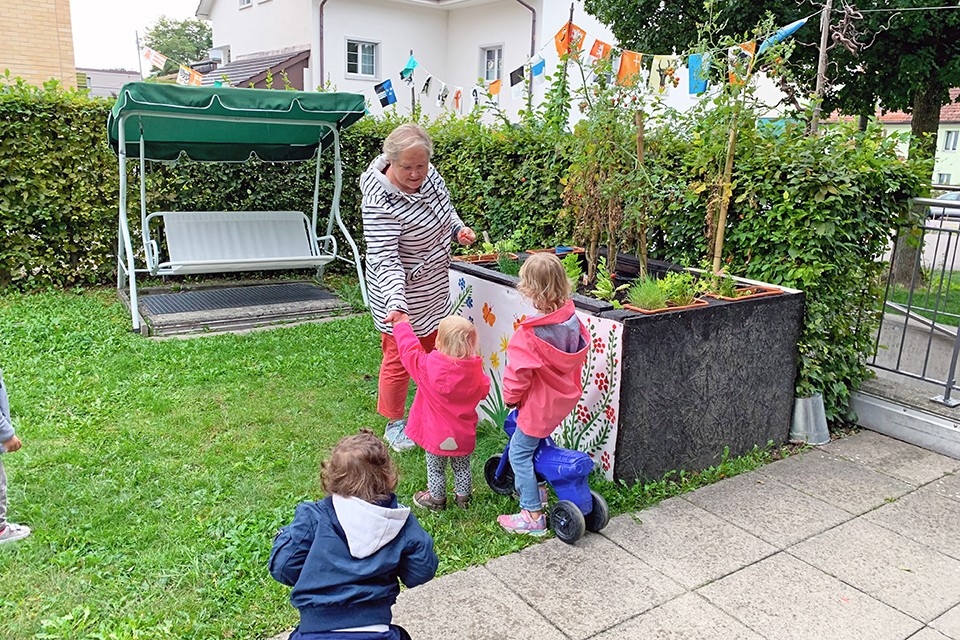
x=222, y=241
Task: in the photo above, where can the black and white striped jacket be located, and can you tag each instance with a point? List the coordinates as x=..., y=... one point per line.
x=408, y=238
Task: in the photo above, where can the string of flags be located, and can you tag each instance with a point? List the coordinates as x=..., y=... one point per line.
x=631, y=68
x=185, y=75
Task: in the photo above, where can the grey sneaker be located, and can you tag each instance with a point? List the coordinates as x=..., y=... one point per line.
x=13, y=532
x=425, y=500
x=395, y=436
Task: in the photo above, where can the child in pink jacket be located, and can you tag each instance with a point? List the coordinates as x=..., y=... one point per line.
x=443, y=417
x=542, y=378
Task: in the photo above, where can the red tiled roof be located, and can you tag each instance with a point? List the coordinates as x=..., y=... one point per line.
x=949, y=113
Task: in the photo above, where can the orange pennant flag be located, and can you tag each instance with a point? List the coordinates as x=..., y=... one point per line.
x=738, y=60
x=569, y=39
x=599, y=50
x=631, y=64
x=494, y=87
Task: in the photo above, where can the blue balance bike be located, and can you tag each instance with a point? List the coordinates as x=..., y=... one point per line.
x=578, y=508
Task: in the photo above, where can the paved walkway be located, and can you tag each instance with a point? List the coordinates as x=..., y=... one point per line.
x=858, y=539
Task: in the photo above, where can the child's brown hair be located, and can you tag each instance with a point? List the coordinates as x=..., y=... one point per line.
x=544, y=281
x=457, y=337
x=360, y=466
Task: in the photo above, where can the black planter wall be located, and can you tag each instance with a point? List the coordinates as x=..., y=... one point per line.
x=699, y=380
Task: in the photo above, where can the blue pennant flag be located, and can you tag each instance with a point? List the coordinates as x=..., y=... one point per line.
x=407, y=72
x=385, y=92
x=781, y=34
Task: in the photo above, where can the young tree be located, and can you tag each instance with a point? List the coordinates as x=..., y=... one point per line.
x=182, y=41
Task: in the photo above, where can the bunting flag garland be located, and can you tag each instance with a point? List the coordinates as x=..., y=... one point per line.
x=698, y=65
x=663, y=73
x=538, y=68
x=385, y=93
x=406, y=74
x=738, y=60
x=442, y=94
x=516, y=83
x=569, y=39
x=155, y=58
x=631, y=66
x=781, y=34
x=599, y=51
x=187, y=76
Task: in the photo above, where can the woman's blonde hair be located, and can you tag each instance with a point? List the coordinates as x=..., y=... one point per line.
x=544, y=281
x=407, y=136
x=457, y=337
x=360, y=466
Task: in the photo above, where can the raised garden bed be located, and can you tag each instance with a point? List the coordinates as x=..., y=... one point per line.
x=670, y=391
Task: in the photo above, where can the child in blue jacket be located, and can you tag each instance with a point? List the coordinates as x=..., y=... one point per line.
x=346, y=555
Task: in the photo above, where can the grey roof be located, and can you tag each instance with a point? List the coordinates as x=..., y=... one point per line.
x=239, y=72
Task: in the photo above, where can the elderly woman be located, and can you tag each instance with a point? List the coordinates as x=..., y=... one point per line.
x=408, y=225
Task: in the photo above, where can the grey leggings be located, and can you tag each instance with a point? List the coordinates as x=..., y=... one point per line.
x=437, y=479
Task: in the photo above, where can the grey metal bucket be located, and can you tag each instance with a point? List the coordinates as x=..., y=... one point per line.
x=809, y=421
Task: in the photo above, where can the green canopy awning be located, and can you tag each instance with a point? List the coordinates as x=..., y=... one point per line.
x=228, y=124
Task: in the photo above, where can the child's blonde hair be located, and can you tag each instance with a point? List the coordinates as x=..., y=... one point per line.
x=360, y=466
x=457, y=337
x=544, y=281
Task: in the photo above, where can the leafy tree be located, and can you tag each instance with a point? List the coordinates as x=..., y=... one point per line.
x=182, y=41
x=881, y=52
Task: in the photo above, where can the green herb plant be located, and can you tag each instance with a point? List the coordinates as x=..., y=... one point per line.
x=604, y=287
x=571, y=264
x=645, y=292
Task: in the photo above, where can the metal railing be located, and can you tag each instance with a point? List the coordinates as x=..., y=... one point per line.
x=918, y=336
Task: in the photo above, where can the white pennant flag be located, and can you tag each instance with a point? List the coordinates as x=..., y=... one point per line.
x=442, y=93
x=155, y=58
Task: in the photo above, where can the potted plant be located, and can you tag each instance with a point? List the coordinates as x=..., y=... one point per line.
x=674, y=291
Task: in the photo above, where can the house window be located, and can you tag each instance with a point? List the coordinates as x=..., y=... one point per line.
x=950, y=143
x=491, y=60
x=362, y=58
x=943, y=178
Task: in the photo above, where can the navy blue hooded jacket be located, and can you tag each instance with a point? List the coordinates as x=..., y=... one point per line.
x=345, y=558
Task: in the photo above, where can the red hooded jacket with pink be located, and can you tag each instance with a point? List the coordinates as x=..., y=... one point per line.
x=443, y=417
x=541, y=379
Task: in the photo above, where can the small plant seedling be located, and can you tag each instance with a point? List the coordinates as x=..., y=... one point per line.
x=646, y=293
x=605, y=289
x=571, y=264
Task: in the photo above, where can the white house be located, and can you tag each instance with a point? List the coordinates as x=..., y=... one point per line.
x=356, y=44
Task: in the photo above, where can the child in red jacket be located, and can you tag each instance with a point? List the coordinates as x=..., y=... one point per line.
x=542, y=378
x=443, y=417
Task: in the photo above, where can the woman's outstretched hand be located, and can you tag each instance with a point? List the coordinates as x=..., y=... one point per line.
x=466, y=236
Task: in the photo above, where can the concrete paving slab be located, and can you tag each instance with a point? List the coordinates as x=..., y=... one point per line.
x=948, y=486
x=686, y=543
x=781, y=597
x=949, y=623
x=929, y=634
x=768, y=509
x=924, y=516
x=471, y=604
x=904, y=574
x=583, y=588
x=895, y=458
x=689, y=617
x=842, y=483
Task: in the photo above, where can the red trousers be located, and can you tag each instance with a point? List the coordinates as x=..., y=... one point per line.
x=394, y=383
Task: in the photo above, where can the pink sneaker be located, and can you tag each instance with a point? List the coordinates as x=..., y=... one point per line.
x=523, y=523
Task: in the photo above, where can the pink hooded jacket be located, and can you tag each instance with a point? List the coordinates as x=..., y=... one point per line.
x=541, y=379
x=443, y=418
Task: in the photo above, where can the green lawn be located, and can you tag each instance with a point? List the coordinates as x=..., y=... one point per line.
x=938, y=298
x=155, y=473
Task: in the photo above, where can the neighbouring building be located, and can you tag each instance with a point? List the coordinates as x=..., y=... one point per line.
x=105, y=83
x=36, y=41
x=354, y=45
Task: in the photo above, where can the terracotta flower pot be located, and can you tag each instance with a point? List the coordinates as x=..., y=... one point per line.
x=696, y=303
x=752, y=291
